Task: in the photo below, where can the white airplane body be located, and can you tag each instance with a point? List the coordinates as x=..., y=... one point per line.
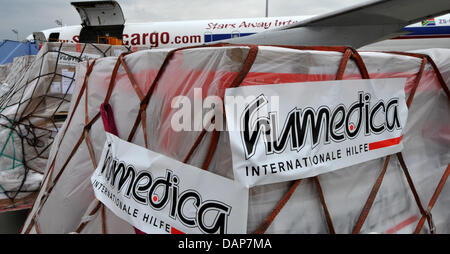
x=183, y=33
x=190, y=33
x=312, y=30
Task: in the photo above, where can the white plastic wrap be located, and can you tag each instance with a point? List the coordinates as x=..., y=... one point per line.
x=33, y=106
x=16, y=71
x=66, y=199
x=4, y=71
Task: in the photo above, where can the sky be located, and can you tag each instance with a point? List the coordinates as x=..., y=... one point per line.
x=28, y=16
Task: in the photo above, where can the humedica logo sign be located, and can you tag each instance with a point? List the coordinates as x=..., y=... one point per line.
x=318, y=127
x=158, y=194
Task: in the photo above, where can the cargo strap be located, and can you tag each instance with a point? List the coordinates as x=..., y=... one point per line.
x=426, y=214
x=109, y=125
x=375, y=188
x=423, y=212
x=268, y=221
x=248, y=63
x=348, y=53
x=433, y=200
x=109, y=122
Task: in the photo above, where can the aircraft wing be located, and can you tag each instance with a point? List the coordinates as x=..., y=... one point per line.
x=356, y=26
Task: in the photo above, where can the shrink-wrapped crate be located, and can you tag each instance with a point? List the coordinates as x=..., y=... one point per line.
x=4, y=71
x=372, y=196
x=16, y=71
x=34, y=105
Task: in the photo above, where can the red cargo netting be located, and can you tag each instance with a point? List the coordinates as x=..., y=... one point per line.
x=142, y=91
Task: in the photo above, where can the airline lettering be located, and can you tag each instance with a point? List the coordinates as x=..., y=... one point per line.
x=443, y=21
x=156, y=39
x=248, y=24
x=161, y=39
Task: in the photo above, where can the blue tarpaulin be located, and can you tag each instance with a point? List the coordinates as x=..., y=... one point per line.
x=11, y=49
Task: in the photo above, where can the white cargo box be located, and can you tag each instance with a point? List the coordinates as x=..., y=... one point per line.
x=66, y=201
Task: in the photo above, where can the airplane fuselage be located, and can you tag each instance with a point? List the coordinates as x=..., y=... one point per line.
x=190, y=33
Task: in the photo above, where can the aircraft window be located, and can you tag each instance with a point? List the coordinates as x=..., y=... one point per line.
x=53, y=37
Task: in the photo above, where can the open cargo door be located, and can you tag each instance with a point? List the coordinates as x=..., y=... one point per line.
x=39, y=37
x=100, y=20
